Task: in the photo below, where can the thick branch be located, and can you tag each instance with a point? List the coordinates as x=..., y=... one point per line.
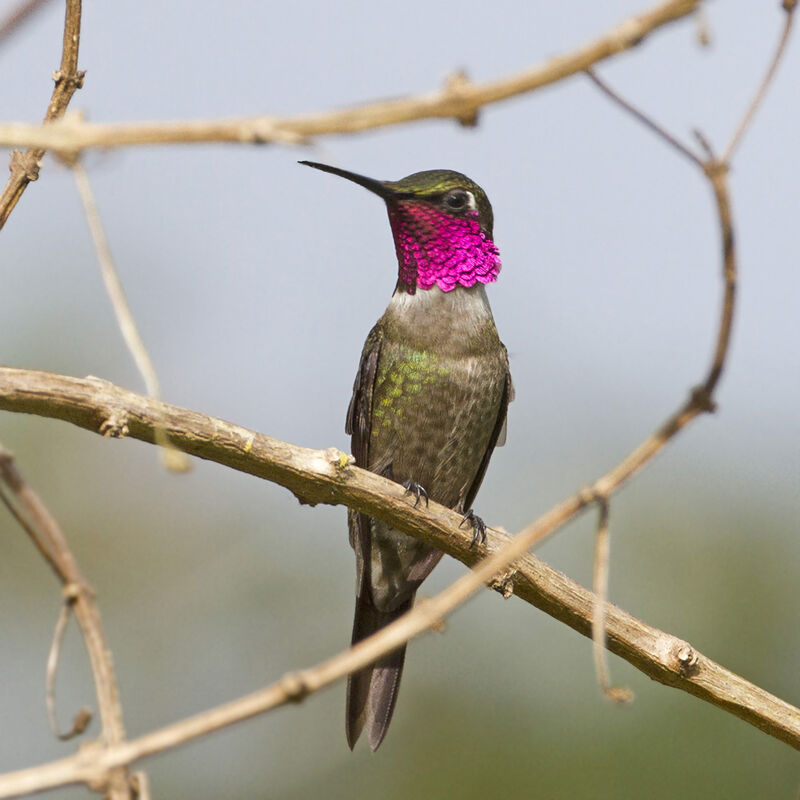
x=327, y=476
x=459, y=100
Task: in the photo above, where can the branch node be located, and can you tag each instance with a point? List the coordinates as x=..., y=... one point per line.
x=340, y=460
x=71, y=592
x=629, y=35
x=294, y=687
x=73, y=80
x=458, y=86
x=702, y=400
x=115, y=425
x=23, y=165
x=504, y=582
x=593, y=493
x=686, y=658
x=715, y=169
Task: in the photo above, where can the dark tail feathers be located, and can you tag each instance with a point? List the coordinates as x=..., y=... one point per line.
x=372, y=691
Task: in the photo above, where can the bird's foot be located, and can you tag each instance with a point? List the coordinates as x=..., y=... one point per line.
x=412, y=487
x=478, y=527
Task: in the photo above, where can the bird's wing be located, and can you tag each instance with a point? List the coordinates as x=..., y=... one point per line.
x=498, y=438
x=359, y=412
x=358, y=425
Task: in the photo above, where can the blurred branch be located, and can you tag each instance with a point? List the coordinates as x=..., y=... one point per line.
x=25, y=166
x=328, y=476
x=619, y=694
x=789, y=7
x=84, y=716
x=17, y=16
x=173, y=459
x=32, y=514
x=460, y=99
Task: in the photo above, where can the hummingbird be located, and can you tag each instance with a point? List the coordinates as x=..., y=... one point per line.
x=428, y=406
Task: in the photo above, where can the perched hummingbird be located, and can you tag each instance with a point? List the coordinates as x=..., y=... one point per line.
x=429, y=403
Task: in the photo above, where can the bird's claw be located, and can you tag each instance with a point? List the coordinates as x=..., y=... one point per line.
x=478, y=527
x=412, y=487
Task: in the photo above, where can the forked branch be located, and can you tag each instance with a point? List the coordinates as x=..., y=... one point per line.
x=33, y=516
x=25, y=166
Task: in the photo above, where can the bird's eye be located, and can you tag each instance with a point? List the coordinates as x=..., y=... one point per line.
x=458, y=200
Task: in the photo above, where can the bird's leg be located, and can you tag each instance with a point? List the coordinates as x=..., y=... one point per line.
x=478, y=527
x=412, y=487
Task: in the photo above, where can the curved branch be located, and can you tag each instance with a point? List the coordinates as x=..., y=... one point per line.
x=328, y=476
x=459, y=100
x=33, y=515
x=25, y=166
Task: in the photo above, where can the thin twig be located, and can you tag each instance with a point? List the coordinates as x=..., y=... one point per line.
x=618, y=694
x=789, y=8
x=43, y=529
x=17, y=16
x=84, y=715
x=174, y=460
x=141, y=785
x=647, y=121
x=25, y=166
x=600, y=588
x=459, y=100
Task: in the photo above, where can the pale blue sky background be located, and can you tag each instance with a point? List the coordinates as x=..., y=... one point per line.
x=255, y=281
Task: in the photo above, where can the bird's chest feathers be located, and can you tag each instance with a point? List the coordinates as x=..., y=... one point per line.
x=440, y=348
x=441, y=324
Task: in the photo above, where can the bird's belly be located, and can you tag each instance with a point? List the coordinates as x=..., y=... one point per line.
x=433, y=418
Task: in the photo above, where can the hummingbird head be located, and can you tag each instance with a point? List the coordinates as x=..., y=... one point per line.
x=442, y=225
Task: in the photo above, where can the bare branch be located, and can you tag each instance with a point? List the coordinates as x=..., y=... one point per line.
x=25, y=166
x=459, y=100
x=647, y=121
x=17, y=16
x=174, y=460
x=84, y=716
x=34, y=517
x=789, y=7
x=663, y=657
x=328, y=476
x=619, y=694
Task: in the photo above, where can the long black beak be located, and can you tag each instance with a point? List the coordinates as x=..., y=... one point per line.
x=377, y=187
